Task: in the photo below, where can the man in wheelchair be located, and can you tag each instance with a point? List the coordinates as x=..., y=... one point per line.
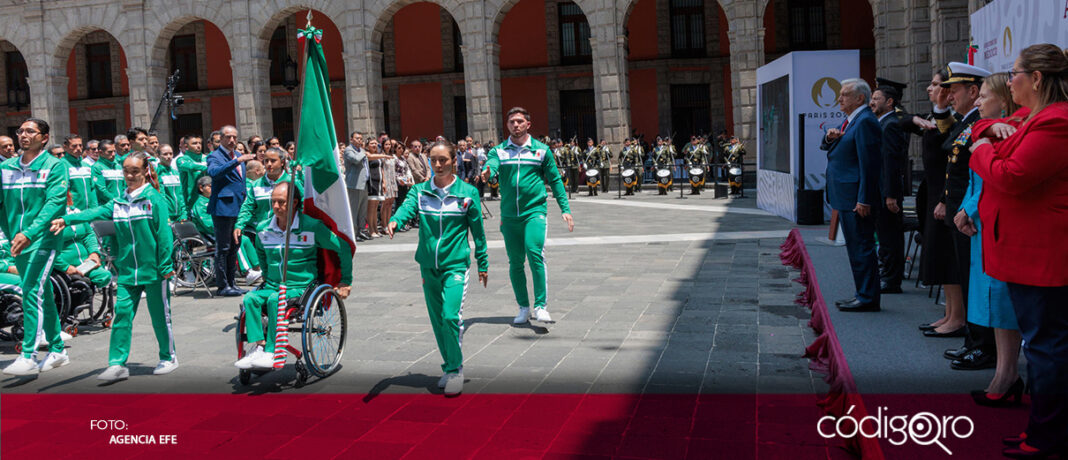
x=307, y=236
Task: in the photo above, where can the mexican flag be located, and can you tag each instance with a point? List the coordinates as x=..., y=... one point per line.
x=325, y=194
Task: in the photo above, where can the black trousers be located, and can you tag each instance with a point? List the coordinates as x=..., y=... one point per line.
x=572, y=178
x=891, y=230
x=225, y=251
x=1044, y=326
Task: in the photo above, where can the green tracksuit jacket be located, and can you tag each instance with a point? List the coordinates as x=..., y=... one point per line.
x=30, y=198
x=307, y=234
x=170, y=185
x=191, y=166
x=200, y=217
x=445, y=217
x=107, y=180
x=145, y=241
x=80, y=174
x=523, y=173
x=257, y=204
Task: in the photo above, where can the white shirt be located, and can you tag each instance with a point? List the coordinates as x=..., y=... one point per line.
x=130, y=196
x=884, y=115
x=442, y=191
x=853, y=115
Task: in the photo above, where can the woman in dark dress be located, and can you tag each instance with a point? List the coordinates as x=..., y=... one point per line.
x=937, y=261
x=375, y=192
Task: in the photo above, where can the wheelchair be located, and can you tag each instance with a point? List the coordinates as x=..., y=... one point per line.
x=78, y=303
x=194, y=257
x=318, y=315
x=11, y=318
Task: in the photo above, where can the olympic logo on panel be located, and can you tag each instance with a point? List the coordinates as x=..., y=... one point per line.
x=825, y=92
x=1006, y=41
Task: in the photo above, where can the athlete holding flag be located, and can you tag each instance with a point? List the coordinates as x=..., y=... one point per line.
x=524, y=166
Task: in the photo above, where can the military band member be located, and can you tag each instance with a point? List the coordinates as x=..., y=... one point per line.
x=592, y=160
x=631, y=157
x=573, y=160
x=695, y=155
x=606, y=164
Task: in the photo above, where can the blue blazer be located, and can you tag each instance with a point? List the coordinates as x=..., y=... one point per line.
x=854, y=164
x=227, y=184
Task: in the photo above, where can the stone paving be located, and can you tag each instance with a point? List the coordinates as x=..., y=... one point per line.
x=651, y=295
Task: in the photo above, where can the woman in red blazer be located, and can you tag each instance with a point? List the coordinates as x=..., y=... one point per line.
x=1025, y=206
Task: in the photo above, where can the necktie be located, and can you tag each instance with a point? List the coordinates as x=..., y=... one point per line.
x=844, y=124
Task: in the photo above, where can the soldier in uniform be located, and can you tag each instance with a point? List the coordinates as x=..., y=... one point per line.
x=606, y=164
x=696, y=156
x=963, y=84
x=592, y=160
x=562, y=155
x=663, y=158
x=631, y=157
x=574, y=155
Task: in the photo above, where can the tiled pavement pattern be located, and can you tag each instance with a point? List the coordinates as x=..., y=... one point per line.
x=683, y=304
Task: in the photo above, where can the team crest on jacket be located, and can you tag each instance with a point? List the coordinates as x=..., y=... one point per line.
x=466, y=204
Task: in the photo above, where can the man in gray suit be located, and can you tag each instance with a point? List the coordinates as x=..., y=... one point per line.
x=356, y=181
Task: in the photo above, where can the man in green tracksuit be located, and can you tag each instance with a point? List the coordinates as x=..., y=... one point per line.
x=525, y=166
x=191, y=166
x=306, y=236
x=447, y=208
x=170, y=184
x=107, y=174
x=80, y=174
x=143, y=261
x=33, y=191
x=79, y=244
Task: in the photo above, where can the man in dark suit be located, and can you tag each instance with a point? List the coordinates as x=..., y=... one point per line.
x=227, y=173
x=890, y=226
x=853, y=175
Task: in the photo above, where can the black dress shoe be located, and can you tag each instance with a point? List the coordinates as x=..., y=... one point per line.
x=975, y=360
x=239, y=290
x=228, y=292
x=1014, y=396
x=839, y=303
x=927, y=326
x=856, y=305
x=888, y=289
x=959, y=332
x=956, y=353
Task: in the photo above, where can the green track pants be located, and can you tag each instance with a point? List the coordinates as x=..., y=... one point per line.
x=246, y=255
x=256, y=303
x=524, y=241
x=445, y=291
x=39, y=314
x=127, y=299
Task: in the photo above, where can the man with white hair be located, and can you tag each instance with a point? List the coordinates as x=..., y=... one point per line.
x=854, y=165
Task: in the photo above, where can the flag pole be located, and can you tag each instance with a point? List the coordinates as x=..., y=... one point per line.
x=282, y=329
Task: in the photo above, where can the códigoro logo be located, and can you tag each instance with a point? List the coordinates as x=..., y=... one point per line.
x=1006, y=42
x=825, y=92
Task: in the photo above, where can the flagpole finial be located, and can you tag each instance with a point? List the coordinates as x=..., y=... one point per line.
x=309, y=17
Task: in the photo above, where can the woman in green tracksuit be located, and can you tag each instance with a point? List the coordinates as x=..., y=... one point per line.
x=306, y=236
x=525, y=166
x=143, y=261
x=448, y=209
x=170, y=184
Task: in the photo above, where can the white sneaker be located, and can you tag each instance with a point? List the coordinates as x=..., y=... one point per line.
x=54, y=360
x=263, y=360
x=523, y=316
x=246, y=362
x=65, y=336
x=454, y=383
x=114, y=373
x=22, y=366
x=165, y=367
x=542, y=315
x=253, y=276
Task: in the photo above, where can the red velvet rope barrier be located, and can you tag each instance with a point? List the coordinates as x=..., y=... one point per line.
x=825, y=353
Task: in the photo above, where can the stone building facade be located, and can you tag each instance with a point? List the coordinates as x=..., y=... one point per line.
x=912, y=37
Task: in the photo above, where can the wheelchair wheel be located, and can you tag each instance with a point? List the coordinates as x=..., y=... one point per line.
x=323, y=333
x=185, y=268
x=61, y=292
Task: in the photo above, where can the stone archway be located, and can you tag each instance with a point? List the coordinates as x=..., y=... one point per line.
x=17, y=110
x=96, y=88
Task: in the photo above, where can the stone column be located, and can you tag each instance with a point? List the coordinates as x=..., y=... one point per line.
x=48, y=96
x=746, y=37
x=482, y=86
x=155, y=84
x=949, y=31
x=136, y=51
x=610, y=88
x=252, y=94
x=363, y=86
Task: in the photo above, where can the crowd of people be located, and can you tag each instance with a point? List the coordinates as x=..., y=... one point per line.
x=991, y=207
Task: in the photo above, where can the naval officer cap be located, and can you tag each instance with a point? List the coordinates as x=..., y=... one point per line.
x=960, y=72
